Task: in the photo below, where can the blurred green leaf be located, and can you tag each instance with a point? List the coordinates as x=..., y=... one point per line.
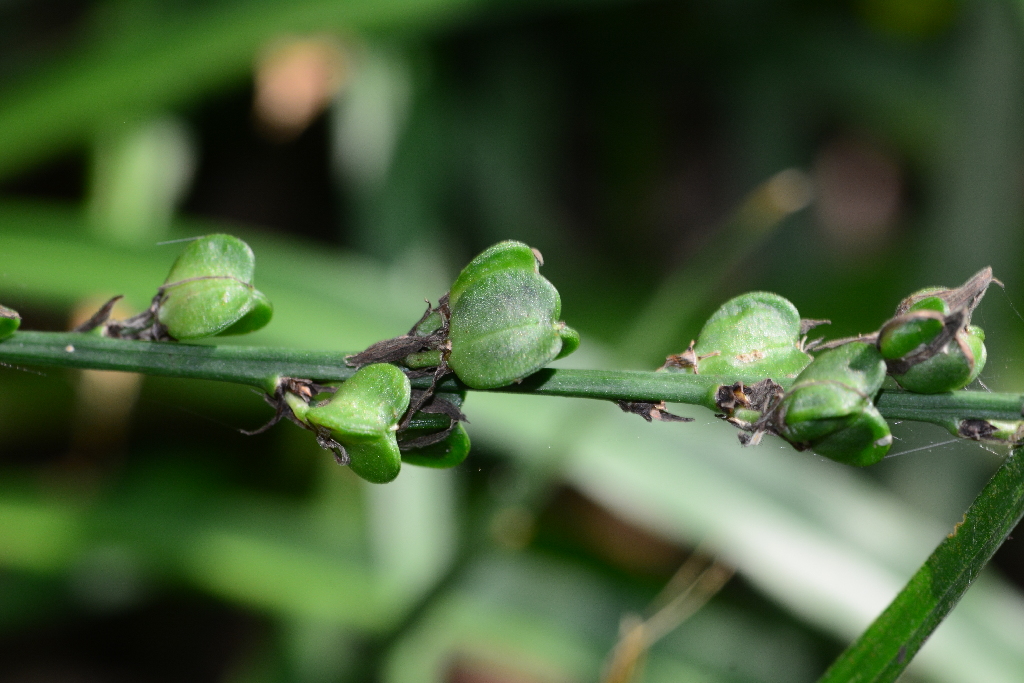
x=152, y=65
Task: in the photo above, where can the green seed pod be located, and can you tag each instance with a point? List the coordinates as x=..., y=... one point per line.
x=950, y=369
x=209, y=291
x=917, y=328
x=750, y=337
x=829, y=407
x=363, y=417
x=507, y=255
x=504, y=319
x=926, y=348
x=428, y=424
x=448, y=453
x=9, y=322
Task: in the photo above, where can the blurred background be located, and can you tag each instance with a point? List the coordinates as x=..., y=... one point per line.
x=663, y=155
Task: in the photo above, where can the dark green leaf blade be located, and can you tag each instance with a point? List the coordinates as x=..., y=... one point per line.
x=883, y=651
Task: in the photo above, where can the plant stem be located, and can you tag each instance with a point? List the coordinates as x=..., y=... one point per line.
x=261, y=367
x=883, y=651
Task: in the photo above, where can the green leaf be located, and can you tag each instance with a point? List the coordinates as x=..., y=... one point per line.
x=882, y=652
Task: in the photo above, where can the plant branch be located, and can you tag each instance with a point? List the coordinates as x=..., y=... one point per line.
x=262, y=366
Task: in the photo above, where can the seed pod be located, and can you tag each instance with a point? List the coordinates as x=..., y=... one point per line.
x=209, y=291
x=434, y=436
x=829, y=408
x=750, y=337
x=9, y=322
x=504, y=319
x=930, y=346
x=929, y=350
x=954, y=366
x=448, y=453
x=363, y=417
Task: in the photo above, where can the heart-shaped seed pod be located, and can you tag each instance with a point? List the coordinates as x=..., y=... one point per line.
x=955, y=365
x=829, y=408
x=363, y=417
x=504, y=318
x=209, y=291
x=750, y=337
x=9, y=322
x=930, y=346
x=913, y=330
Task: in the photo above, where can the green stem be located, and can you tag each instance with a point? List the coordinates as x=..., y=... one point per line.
x=260, y=367
x=882, y=652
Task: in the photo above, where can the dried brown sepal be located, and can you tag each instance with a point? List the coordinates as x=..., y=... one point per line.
x=439, y=405
x=328, y=443
x=870, y=338
x=144, y=326
x=965, y=297
x=762, y=397
x=100, y=316
x=976, y=430
x=730, y=397
x=396, y=349
x=651, y=411
x=808, y=324
x=687, y=359
x=393, y=350
x=303, y=388
x=995, y=431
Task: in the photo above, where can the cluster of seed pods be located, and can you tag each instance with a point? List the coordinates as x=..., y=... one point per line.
x=759, y=341
x=497, y=324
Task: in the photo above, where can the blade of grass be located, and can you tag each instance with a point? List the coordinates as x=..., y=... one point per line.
x=883, y=651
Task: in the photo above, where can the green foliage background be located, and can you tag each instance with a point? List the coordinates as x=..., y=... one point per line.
x=143, y=538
